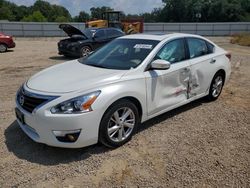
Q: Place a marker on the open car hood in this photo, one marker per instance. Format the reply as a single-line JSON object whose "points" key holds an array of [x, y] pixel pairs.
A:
{"points": [[71, 30]]}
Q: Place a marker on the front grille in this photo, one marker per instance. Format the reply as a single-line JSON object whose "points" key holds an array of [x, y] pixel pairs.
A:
{"points": [[29, 102]]}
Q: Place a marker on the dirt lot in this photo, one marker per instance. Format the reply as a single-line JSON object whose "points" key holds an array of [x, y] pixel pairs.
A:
{"points": [[199, 145]]}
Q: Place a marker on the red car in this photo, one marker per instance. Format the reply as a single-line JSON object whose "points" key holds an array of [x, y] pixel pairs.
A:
{"points": [[6, 42]]}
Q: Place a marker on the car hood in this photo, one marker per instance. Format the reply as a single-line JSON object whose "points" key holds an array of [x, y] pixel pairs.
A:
{"points": [[71, 30], [72, 76]]}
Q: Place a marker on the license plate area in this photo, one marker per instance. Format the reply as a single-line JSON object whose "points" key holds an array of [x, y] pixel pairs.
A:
{"points": [[19, 115]]}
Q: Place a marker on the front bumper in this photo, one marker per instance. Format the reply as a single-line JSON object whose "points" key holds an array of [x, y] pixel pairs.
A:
{"points": [[39, 126], [63, 49], [12, 45]]}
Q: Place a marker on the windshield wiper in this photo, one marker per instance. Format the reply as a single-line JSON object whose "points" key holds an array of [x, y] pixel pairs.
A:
{"points": [[100, 66]]}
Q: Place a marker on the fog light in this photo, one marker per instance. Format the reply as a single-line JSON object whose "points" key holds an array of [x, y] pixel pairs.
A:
{"points": [[67, 136]]}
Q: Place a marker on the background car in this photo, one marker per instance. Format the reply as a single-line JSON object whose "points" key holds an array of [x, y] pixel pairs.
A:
{"points": [[81, 43], [6, 42]]}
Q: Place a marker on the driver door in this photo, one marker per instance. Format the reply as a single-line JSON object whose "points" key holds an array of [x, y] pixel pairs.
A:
{"points": [[100, 38], [167, 88]]}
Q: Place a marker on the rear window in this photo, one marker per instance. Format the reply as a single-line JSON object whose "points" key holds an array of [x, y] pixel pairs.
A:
{"points": [[113, 33]]}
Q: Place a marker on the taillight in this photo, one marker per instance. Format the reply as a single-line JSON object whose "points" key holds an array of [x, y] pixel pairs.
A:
{"points": [[228, 55]]}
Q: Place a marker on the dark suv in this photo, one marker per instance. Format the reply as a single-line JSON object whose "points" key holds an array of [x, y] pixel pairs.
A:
{"points": [[81, 43]]}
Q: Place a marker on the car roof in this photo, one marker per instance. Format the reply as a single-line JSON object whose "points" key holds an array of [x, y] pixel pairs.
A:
{"points": [[103, 28], [158, 36]]}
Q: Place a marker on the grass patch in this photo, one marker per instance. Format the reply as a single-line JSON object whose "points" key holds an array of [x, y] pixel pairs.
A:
{"points": [[241, 39]]}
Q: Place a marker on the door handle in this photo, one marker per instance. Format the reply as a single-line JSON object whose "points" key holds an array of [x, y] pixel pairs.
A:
{"points": [[213, 61]]}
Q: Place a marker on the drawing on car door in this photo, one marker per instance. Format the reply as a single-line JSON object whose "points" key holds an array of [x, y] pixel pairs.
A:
{"points": [[166, 88]]}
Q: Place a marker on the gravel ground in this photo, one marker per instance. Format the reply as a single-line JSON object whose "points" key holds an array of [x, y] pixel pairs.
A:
{"points": [[198, 145]]}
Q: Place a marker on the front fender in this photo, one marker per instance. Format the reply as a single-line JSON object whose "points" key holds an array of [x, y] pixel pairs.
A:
{"points": [[113, 92]]}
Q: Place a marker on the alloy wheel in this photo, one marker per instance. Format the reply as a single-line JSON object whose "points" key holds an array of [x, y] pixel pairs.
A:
{"points": [[217, 86], [3, 48], [85, 51], [121, 124]]}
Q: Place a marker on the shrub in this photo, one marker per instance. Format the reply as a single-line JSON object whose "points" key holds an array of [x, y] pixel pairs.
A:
{"points": [[242, 39]]}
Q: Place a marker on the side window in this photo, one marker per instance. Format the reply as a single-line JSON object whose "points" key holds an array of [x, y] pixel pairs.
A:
{"points": [[197, 47], [173, 51], [100, 34]]}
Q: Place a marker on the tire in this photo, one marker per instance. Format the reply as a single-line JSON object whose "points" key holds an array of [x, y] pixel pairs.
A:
{"points": [[216, 86], [85, 50], [3, 48], [118, 124]]}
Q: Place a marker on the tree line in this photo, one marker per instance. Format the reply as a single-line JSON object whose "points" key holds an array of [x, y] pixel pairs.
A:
{"points": [[171, 11]]}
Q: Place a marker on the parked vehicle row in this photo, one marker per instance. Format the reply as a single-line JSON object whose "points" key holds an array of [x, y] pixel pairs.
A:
{"points": [[103, 97], [79, 44]]}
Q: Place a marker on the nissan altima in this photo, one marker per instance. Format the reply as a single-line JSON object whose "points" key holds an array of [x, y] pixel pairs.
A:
{"points": [[105, 96]]}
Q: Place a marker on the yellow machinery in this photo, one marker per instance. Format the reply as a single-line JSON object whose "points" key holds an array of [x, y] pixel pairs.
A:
{"points": [[97, 23], [113, 19]]}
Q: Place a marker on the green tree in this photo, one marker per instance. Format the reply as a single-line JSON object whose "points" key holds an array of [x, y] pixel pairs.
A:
{"points": [[175, 11], [204, 10], [82, 17], [96, 13], [44, 8], [61, 19], [51, 12], [59, 11], [20, 12], [6, 14], [6, 10], [36, 16]]}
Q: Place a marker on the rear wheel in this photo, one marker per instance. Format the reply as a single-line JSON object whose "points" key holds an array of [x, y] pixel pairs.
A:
{"points": [[216, 86], [3, 48], [118, 124], [85, 50]]}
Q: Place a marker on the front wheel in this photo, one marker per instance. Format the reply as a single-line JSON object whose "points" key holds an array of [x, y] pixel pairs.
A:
{"points": [[216, 86], [3, 48], [118, 124], [85, 50]]}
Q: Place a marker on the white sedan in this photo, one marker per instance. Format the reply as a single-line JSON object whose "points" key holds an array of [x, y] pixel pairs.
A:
{"points": [[105, 96]]}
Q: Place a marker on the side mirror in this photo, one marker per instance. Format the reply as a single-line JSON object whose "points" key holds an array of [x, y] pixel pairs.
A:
{"points": [[160, 64]]}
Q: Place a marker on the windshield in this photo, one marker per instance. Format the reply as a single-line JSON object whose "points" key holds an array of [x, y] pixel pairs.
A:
{"points": [[121, 54]]}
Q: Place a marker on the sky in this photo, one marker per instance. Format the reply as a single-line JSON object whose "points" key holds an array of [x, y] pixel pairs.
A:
{"points": [[127, 6]]}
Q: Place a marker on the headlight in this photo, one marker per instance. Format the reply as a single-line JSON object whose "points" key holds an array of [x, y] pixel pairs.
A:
{"points": [[79, 104]]}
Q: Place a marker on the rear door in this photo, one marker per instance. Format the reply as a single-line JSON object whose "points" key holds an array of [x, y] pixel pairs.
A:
{"points": [[203, 62], [167, 88]]}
